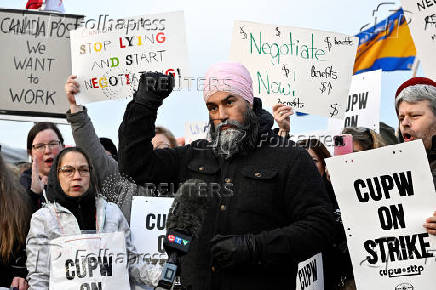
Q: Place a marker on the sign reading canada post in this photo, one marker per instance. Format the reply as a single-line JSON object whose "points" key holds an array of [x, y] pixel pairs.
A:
{"points": [[363, 104], [385, 196], [307, 69], [109, 63], [35, 63], [421, 17], [147, 224]]}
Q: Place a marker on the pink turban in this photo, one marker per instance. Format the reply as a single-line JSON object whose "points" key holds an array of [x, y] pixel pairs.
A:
{"points": [[229, 77]]}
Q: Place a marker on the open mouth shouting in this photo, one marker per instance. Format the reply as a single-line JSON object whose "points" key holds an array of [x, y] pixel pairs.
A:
{"points": [[408, 137]]}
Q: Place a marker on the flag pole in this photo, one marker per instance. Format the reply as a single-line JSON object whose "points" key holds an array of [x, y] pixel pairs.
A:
{"points": [[415, 67]]}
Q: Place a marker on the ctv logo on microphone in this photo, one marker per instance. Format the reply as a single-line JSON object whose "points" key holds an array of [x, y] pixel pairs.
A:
{"points": [[177, 240]]}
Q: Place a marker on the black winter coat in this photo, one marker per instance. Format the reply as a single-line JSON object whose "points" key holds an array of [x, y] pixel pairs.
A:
{"points": [[275, 193]]}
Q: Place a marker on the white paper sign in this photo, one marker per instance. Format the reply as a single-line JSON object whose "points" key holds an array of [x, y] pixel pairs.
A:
{"points": [[195, 131], [310, 274], [108, 64], [308, 69], [363, 105], [35, 63], [385, 196], [147, 224], [421, 17], [95, 261]]}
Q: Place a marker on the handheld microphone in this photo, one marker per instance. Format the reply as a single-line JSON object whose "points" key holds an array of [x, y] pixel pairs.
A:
{"points": [[184, 222]]}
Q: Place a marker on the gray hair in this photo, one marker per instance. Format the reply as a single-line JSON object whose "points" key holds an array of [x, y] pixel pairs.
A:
{"points": [[417, 93]]}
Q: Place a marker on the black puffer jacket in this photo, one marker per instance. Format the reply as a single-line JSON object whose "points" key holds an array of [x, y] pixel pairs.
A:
{"points": [[275, 193]]}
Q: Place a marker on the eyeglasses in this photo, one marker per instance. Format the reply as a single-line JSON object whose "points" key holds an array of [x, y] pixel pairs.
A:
{"points": [[70, 171], [41, 147]]}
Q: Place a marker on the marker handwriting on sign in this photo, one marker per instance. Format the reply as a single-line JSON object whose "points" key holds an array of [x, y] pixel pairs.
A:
{"points": [[242, 32], [335, 111], [277, 31], [326, 87], [291, 47]]}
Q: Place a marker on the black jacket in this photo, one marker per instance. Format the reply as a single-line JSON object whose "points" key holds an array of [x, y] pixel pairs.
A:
{"points": [[15, 267], [275, 192]]}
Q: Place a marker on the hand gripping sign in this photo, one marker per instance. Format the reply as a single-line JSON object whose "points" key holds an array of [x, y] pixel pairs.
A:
{"points": [[95, 261]]}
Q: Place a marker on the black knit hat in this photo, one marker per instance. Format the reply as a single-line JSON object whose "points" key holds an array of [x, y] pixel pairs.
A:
{"points": [[109, 146]]}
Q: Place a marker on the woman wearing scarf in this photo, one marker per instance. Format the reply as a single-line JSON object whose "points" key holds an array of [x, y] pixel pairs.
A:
{"points": [[74, 205]]}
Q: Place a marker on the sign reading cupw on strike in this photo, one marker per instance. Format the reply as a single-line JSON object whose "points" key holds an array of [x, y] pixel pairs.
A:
{"points": [[108, 64], [307, 69]]}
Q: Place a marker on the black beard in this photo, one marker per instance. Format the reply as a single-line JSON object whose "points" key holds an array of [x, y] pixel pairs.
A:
{"points": [[239, 138]]}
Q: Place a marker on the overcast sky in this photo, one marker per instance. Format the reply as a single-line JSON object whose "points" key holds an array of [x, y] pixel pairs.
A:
{"points": [[208, 31]]}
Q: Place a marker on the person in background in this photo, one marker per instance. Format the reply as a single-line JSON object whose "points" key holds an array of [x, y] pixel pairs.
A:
{"points": [[387, 134], [415, 104], [338, 270], [75, 205], [163, 139], [15, 214], [364, 138], [109, 147], [44, 142], [102, 151]]}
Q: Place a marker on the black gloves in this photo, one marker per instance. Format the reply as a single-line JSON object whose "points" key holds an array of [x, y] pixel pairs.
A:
{"points": [[153, 88], [232, 251]]}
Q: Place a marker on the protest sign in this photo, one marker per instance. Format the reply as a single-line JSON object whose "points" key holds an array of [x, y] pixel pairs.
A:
{"points": [[147, 223], [195, 131], [421, 18], [36, 62], [310, 274], [385, 196], [309, 70], [108, 63], [363, 105], [94, 261]]}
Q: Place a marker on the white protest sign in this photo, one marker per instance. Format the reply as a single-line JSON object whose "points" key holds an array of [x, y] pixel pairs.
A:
{"points": [[385, 196], [108, 64], [421, 17], [195, 131], [310, 274], [147, 224], [309, 70], [95, 261], [363, 108], [35, 63]]}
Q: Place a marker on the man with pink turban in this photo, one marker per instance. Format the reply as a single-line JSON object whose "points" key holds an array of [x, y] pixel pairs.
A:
{"points": [[267, 207]]}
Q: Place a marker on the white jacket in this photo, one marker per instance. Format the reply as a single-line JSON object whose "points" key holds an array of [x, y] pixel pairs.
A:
{"points": [[53, 221]]}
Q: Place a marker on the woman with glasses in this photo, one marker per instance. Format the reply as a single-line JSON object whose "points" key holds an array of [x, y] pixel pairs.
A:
{"points": [[44, 142], [15, 213], [74, 205]]}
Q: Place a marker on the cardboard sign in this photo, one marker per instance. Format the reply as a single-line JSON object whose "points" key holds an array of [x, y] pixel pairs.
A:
{"points": [[309, 70], [108, 64], [421, 18], [195, 131], [363, 105], [147, 224], [385, 196], [310, 274], [95, 261], [36, 62]]}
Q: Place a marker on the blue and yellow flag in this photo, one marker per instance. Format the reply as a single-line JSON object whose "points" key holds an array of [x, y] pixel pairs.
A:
{"points": [[387, 46]]}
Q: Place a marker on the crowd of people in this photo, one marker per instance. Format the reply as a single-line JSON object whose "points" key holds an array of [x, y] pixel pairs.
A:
{"points": [[282, 208]]}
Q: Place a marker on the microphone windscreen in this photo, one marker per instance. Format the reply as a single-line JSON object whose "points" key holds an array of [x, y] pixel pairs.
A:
{"points": [[189, 207]]}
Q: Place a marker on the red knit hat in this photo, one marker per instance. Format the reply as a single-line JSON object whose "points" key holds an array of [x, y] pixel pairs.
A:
{"points": [[415, 81]]}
